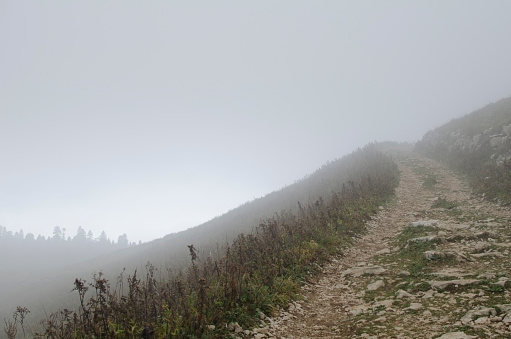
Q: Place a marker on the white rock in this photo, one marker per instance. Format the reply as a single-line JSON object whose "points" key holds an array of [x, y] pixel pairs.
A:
{"points": [[428, 294], [400, 294], [481, 247], [415, 307], [383, 251], [456, 335], [504, 307], [487, 275], [441, 285], [234, 327], [435, 255], [425, 223], [488, 254], [482, 321], [375, 285], [387, 303], [502, 282], [367, 270], [238, 329], [483, 312], [507, 319], [425, 239]]}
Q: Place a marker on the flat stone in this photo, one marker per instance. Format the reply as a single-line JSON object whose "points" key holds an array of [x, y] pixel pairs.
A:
{"points": [[507, 319], [367, 270], [456, 335], [487, 275], [437, 255], [375, 285], [415, 307], [442, 285], [425, 223], [383, 251], [482, 321], [480, 247], [428, 294], [400, 294], [504, 307], [387, 303], [488, 254], [429, 238], [358, 309], [503, 282], [483, 312]]}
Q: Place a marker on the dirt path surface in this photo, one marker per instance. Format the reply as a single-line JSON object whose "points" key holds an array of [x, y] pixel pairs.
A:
{"points": [[433, 264]]}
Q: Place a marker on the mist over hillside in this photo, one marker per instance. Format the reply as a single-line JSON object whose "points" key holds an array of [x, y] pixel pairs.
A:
{"points": [[195, 130], [477, 145], [53, 289]]}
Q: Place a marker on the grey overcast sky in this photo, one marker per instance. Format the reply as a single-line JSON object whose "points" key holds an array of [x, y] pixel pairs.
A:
{"points": [[149, 117]]}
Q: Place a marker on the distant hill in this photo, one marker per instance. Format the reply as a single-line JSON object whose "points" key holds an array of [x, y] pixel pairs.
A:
{"points": [[477, 145]]}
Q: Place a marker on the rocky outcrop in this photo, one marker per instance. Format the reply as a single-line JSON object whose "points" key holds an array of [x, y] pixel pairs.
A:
{"points": [[484, 134]]}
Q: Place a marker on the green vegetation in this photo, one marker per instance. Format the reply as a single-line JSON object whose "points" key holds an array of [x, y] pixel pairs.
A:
{"points": [[443, 203], [478, 146], [429, 181], [413, 252], [256, 272]]}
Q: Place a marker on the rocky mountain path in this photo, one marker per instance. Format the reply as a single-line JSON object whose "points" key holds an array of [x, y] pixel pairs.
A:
{"points": [[433, 264]]}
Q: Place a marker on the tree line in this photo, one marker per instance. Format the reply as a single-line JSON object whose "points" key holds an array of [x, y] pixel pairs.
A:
{"points": [[37, 253], [60, 235]]}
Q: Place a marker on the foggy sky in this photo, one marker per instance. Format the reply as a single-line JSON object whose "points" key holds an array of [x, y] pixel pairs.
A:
{"points": [[147, 118]]}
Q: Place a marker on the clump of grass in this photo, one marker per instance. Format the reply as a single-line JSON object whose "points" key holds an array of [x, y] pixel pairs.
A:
{"points": [[429, 181], [443, 203]]}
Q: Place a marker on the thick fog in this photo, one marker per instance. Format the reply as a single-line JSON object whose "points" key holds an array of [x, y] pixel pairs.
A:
{"points": [[150, 117]]}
